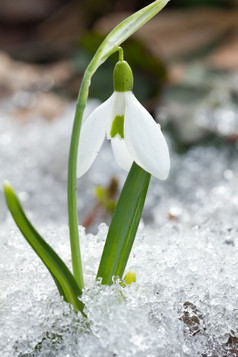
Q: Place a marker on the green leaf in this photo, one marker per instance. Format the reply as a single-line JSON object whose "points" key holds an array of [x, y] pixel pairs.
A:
{"points": [[124, 225], [63, 278]]}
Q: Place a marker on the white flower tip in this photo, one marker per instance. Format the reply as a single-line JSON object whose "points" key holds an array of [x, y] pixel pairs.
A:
{"points": [[121, 153], [165, 175], [163, 168], [80, 172]]}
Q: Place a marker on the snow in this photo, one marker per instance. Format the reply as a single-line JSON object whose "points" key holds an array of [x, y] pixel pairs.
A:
{"points": [[185, 300]]}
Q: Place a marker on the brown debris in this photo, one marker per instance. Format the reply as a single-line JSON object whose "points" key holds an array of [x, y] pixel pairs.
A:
{"points": [[29, 87], [59, 33], [34, 31], [25, 10], [232, 345], [226, 55], [16, 75], [192, 318]]}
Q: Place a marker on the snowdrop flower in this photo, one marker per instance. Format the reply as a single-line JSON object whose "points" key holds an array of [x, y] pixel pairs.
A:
{"points": [[134, 134]]}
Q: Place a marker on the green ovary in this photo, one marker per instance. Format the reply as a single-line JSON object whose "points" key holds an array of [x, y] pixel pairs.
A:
{"points": [[118, 126]]}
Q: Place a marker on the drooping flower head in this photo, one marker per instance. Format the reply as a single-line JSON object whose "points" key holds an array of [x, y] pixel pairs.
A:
{"points": [[134, 134]]}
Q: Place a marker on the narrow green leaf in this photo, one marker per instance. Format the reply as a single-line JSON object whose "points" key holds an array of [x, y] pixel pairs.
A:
{"points": [[124, 225], [63, 278]]}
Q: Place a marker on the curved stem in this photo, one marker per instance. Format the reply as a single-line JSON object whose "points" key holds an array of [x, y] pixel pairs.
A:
{"points": [[72, 169], [72, 181]]}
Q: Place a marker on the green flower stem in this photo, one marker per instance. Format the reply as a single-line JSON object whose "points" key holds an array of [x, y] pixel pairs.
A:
{"points": [[72, 183], [121, 54], [118, 35]]}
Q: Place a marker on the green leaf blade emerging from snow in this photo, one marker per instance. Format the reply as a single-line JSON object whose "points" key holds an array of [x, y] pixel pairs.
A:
{"points": [[63, 278]]}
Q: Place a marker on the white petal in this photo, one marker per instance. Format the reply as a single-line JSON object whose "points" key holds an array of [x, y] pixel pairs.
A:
{"points": [[92, 135], [121, 153], [144, 139]]}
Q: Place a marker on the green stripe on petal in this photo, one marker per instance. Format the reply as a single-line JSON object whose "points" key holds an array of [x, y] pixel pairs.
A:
{"points": [[118, 126]]}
